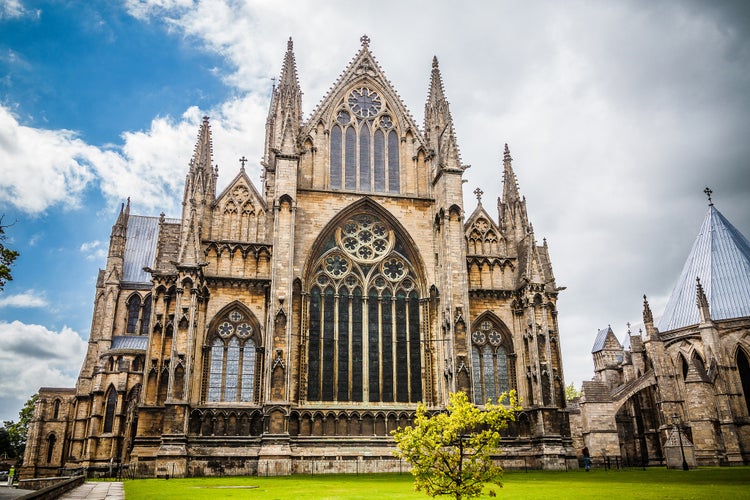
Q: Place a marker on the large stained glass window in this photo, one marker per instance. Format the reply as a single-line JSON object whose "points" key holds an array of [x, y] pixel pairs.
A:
{"points": [[364, 145], [364, 318], [231, 357], [491, 370]]}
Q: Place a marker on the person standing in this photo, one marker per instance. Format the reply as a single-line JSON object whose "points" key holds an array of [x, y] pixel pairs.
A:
{"points": [[586, 458], [11, 473]]}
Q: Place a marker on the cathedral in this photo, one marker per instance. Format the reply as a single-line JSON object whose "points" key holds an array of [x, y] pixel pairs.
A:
{"points": [[290, 326], [685, 381]]}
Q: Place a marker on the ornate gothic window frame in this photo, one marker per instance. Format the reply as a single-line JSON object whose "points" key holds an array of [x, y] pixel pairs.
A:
{"points": [[364, 143], [493, 358], [233, 357], [365, 275]]}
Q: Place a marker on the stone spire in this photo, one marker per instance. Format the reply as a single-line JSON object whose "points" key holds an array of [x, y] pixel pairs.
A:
{"points": [[119, 232], [511, 207], [200, 192], [438, 124], [510, 183], [285, 113], [200, 183], [648, 317]]}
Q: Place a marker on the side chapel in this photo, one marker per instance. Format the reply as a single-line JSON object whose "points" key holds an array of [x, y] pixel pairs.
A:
{"points": [[295, 325]]}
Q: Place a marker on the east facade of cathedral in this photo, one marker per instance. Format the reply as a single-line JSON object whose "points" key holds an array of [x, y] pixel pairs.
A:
{"points": [[278, 329], [678, 393]]}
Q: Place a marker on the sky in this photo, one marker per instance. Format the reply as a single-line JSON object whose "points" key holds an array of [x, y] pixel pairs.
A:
{"points": [[617, 115]]}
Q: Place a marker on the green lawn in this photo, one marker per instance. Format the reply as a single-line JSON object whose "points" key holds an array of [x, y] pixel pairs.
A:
{"points": [[713, 483]]}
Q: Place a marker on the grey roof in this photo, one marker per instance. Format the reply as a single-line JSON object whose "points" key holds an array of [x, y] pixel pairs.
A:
{"points": [[140, 248], [130, 342], [601, 339], [721, 259]]}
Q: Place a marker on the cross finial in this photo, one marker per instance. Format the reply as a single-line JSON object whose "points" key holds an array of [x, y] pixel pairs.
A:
{"points": [[243, 160], [478, 192], [628, 323], [365, 40], [708, 192]]}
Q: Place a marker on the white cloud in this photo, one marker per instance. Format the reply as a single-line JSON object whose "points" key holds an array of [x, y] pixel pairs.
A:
{"points": [[94, 250], [29, 298], [28, 155], [11, 9], [33, 356]]}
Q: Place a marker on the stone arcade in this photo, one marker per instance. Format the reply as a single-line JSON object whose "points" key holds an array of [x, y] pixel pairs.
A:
{"points": [[292, 326]]}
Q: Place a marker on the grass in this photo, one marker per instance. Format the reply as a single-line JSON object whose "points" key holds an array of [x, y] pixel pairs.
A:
{"points": [[710, 482]]}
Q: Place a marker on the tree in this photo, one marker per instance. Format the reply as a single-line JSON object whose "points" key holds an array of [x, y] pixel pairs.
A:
{"points": [[7, 256], [451, 452], [571, 392], [17, 431]]}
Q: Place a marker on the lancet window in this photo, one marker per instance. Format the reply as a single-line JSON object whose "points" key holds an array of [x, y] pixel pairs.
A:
{"points": [[109, 412], [492, 370], [232, 360], [364, 318], [364, 145], [139, 314]]}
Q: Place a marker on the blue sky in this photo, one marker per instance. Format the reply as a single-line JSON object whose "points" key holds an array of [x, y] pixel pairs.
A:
{"points": [[617, 114]]}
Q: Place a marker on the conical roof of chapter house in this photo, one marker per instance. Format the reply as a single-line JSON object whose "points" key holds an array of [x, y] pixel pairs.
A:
{"points": [[720, 257]]}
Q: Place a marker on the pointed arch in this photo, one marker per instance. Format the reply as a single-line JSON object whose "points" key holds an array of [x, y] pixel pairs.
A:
{"points": [[493, 358], [109, 410], [365, 280], [231, 359], [743, 367], [51, 440], [134, 311]]}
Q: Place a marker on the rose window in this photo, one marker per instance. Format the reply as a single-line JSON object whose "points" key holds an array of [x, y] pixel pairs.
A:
{"points": [[364, 102], [479, 337], [226, 329], [336, 266], [365, 238], [393, 269], [495, 338], [244, 330]]}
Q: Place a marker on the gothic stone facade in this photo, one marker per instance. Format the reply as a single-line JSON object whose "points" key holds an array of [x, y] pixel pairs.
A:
{"points": [[689, 369], [267, 329]]}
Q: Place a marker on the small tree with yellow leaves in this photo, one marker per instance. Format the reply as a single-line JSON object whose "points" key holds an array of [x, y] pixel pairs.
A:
{"points": [[451, 452]]}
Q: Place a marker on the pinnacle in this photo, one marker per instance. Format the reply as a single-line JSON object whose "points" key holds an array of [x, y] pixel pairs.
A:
{"points": [[510, 183]]}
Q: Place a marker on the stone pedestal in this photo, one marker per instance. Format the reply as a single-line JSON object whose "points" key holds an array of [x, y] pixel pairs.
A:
{"points": [[275, 456]]}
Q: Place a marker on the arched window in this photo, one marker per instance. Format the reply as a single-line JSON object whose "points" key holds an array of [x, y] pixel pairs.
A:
{"points": [[232, 360], [743, 366], [362, 159], [134, 310], [109, 412], [56, 411], [492, 371], [146, 315], [51, 440], [364, 318]]}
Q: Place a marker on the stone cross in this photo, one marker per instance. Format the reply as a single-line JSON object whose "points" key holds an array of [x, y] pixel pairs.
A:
{"points": [[365, 40], [478, 192], [243, 160]]}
